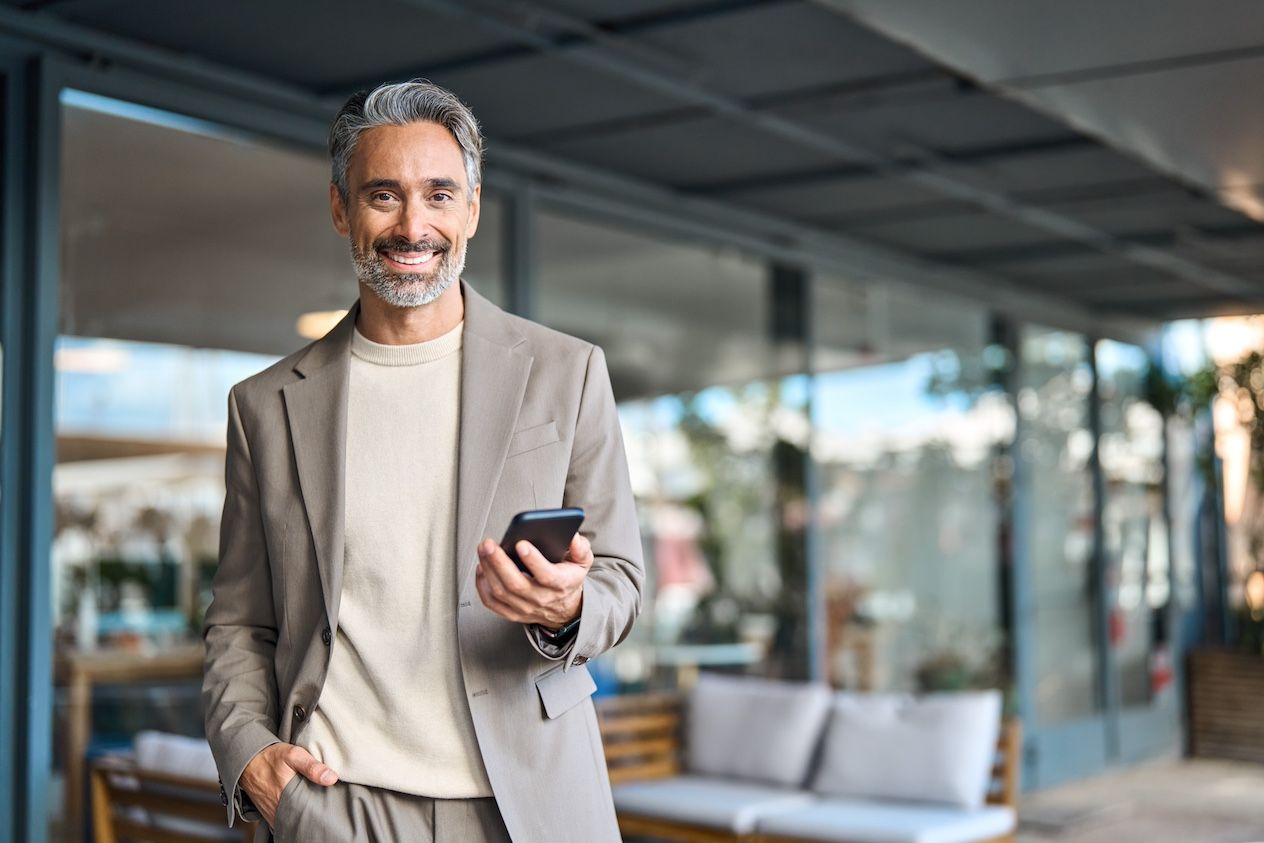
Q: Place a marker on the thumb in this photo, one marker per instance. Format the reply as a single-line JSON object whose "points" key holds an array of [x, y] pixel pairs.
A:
{"points": [[580, 551], [303, 763]]}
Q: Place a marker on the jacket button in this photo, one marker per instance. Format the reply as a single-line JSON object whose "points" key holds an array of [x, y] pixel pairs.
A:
{"points": [[327, 636], [299, 713]]}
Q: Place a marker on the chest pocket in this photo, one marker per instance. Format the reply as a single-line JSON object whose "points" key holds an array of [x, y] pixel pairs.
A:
{"points": [[530, 438]]}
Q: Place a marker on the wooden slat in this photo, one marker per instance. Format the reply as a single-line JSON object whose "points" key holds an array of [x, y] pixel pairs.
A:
{"points": [[640, 772], [632, 826], [131, 830], [664, 722], [631, 749], [168, 804]]}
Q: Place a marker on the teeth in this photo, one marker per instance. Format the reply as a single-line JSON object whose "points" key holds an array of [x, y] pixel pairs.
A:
{"points": [[410, 260]]}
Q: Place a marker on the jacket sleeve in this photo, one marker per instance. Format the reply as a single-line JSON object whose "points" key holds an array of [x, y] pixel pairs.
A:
{"points": [[239, 692], [598, 481]]}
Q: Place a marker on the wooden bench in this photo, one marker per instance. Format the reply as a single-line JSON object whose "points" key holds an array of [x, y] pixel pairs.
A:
{"points": [[643, 740], [119, 787]]}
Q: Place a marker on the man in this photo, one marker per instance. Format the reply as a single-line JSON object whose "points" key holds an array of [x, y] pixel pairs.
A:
{"points": [[374, 670]]}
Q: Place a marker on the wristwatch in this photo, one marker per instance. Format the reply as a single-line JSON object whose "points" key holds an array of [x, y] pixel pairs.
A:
{"points": [[562, 635]]}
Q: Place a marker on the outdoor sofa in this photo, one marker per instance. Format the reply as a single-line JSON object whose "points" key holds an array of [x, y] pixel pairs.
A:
{"points": [[763, 761]]}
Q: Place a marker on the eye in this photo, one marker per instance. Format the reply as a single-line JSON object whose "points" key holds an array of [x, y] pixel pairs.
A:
{"points": [[381, 196], [441, 197]]}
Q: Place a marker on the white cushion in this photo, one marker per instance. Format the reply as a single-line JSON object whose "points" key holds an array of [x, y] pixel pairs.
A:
{"points": [[714, 803], [174, 754], [938, 748], [754, 729], [857, 821]]}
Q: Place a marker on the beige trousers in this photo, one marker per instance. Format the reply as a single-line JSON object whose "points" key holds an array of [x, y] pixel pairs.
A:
{"points": [[355, 813]]}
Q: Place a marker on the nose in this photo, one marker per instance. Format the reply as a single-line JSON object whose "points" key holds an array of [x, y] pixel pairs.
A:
{"points": [[414, 223]]}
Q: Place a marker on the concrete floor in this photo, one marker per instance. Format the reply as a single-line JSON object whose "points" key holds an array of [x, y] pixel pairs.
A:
{"points": [[1176, 801]]}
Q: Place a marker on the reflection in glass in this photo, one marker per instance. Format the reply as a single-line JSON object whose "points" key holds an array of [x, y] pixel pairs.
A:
{"points": [[713, 434], [1055, 388], [1138, 564], [907, 421]]}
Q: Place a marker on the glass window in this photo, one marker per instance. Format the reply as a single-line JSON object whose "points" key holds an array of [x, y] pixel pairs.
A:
{"points": [[711, 426], [1055, 389], [1138, 564], [907, 422]]}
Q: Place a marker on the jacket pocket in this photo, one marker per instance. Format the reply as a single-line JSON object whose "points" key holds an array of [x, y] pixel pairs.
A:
{"points": [[530, 438], [561, 690]]}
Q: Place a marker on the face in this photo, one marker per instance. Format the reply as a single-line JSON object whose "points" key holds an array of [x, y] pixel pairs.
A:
{"points": [[409, 212]]}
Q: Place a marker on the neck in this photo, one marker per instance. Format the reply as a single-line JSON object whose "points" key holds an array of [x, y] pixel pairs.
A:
{"points": [[390, 325]]}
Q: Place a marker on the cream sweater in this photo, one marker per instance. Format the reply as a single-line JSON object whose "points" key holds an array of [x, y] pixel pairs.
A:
{"points": [[393, 712]]}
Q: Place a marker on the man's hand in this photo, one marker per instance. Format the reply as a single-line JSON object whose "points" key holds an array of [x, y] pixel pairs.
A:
{"points": [[270, 771], [552, 596]]}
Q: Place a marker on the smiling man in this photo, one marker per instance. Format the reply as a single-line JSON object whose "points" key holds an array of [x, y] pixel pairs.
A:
{"points": [[376, 666]]}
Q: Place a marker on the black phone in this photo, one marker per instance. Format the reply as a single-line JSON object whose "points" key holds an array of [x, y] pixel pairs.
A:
{"points": [[549, 530]]}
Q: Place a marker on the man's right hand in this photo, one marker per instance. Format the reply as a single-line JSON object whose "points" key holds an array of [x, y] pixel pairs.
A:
{"points": [[270, 771]]}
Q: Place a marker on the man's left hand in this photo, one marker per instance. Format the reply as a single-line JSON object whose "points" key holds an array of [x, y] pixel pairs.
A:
{"points": [[552, 596]]}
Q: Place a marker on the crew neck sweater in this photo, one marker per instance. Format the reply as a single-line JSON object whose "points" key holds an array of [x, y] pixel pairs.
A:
{"points": [[393, 712]]}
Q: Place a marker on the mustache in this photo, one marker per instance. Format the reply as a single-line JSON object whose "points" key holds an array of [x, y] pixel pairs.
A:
{"points": [[398, 244]]}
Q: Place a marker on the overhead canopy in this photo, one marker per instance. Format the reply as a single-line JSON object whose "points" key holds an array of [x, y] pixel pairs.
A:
{"points": [[786, 110]]}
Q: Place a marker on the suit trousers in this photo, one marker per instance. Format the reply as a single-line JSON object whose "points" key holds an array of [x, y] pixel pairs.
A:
{"points": [[356, 813]]}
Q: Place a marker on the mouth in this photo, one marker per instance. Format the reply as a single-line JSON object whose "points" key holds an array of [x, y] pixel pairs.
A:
{"points": [[408, 261]]}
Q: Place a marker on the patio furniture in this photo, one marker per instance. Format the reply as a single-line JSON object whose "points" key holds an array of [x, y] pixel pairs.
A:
{"points": [[165, 791], [759, 761]]}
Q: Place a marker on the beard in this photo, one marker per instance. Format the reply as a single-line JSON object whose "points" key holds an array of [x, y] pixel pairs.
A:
{"points": [[409, 289]]}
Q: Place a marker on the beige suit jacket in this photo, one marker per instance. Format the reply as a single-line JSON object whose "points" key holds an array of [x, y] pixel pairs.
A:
{"points": [[538, 429]]}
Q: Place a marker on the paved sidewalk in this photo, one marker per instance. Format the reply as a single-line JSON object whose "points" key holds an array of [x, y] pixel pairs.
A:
{"points": [[1177, 801]]}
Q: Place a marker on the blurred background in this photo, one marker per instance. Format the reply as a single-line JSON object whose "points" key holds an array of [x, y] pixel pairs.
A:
{"points": [[930, 326]]}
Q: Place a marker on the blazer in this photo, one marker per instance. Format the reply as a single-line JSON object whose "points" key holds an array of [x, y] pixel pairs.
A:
{"points": [[538, 429]]}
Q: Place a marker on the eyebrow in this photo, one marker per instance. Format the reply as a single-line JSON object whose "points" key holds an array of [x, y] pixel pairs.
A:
{"points": [[437, 183]]}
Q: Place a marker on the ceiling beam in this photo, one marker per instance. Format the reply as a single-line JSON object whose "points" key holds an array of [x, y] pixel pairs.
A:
{"points": [[536, 25]]}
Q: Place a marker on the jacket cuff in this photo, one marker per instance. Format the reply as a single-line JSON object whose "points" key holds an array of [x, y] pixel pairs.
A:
{"points": [[248, 743], [546, 648]]}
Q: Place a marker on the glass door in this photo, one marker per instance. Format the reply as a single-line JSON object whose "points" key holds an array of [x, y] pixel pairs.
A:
{"points": [[1136, 559], [1064, 690]]}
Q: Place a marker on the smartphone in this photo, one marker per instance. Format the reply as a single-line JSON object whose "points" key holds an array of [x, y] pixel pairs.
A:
{"points": [[549, 530]]}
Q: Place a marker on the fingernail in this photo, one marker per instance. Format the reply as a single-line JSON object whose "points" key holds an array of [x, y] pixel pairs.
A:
{"points": [[328, 777], [523, 548]]}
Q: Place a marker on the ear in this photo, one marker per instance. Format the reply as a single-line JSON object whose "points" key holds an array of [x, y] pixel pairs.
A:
{"points": [[338, 211], [476, 205]]}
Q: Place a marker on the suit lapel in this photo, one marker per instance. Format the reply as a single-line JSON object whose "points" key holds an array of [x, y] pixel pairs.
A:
{"points": [[494, 371], [316, 410]]}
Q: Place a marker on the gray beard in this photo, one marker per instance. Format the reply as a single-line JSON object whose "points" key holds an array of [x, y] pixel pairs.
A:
{"points": [[411, 289]]}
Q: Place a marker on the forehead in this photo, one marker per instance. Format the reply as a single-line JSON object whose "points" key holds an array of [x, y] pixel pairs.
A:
{"points": [[414, 152]]}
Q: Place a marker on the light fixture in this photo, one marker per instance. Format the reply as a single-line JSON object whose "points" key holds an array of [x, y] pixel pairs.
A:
{"points": [[317, 323]]}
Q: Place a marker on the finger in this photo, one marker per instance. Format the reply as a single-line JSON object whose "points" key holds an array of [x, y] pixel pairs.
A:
{"points": [[502, 571], [496, 605], [303, 762], [542, 570], [580, 551], [514, 593]]}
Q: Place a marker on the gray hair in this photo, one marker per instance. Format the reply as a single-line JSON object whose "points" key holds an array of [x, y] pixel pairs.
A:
{"points": [[401, 104]]}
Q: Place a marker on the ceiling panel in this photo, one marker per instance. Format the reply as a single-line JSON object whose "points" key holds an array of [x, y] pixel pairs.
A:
{"points": [[806, 45], [1003, 40], [535, 93], [322, 44], [705, 149]]}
